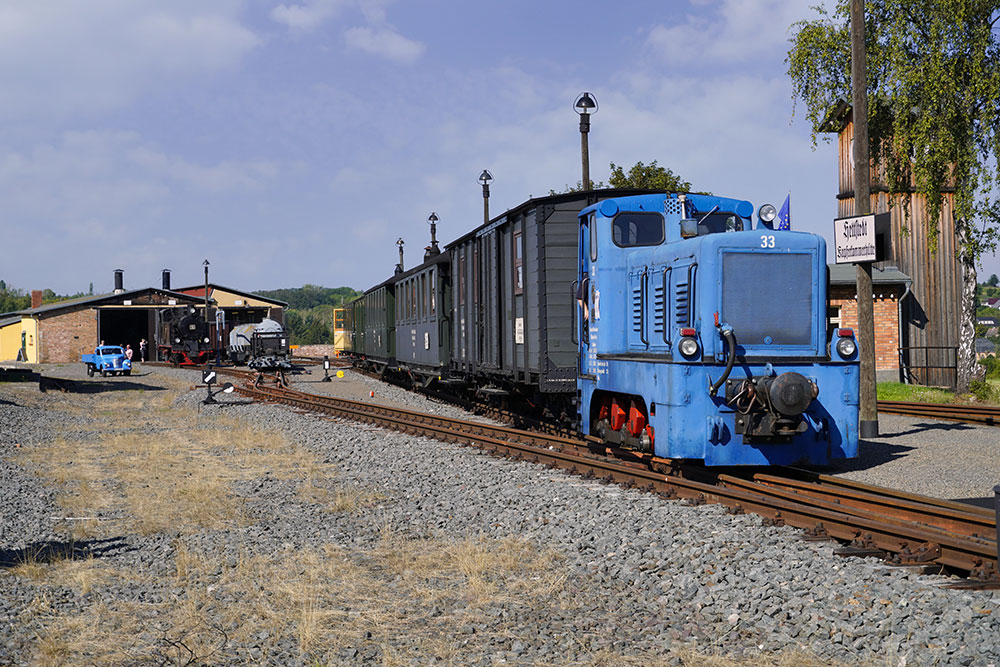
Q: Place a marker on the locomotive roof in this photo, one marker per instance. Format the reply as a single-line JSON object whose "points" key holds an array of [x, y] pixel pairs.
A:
{"points": [[588, 196]]}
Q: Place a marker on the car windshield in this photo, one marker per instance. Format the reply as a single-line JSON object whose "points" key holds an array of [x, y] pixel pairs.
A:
{"points": [[110, 350]]}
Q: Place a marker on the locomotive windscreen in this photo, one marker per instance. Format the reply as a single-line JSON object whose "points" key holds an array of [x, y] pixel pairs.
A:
{"points": [[776, 304]]}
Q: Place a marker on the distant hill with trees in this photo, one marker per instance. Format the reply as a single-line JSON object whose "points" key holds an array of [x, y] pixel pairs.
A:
{"points": [[309, 316]]}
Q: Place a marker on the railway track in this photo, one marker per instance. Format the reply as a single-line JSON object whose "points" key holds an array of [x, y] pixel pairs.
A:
{"points": [[977, 414], [905, 529]]}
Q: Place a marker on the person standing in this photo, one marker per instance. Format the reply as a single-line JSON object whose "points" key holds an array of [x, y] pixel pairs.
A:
{"points": [[142, 350], [128, 352]]}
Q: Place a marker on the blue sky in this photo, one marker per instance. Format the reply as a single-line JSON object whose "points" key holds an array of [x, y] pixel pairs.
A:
{"points": [[294, 141]]}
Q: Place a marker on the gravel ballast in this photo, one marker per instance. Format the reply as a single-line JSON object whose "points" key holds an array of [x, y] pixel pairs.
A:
{"points": [[644, 576]]}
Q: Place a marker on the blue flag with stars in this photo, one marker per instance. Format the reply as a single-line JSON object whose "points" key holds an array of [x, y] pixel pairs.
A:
{"points": [[785, 214]]}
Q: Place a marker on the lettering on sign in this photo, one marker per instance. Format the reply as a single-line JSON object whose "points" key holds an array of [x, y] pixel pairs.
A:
{"points": [[519, 331], [855, 239]]}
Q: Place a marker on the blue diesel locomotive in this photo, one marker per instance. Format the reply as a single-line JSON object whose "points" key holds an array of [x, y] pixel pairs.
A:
{"points": [[703, 338]]}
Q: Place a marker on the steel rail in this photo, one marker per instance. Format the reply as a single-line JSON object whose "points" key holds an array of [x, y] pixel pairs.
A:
{"points": [[977, 414], [870, 525]]}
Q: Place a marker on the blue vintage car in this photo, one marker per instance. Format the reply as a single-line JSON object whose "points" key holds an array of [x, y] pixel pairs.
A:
{"points": [[107, 360]]}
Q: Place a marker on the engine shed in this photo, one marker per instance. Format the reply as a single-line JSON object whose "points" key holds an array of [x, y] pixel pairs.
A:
{"points": [[61, 332]]}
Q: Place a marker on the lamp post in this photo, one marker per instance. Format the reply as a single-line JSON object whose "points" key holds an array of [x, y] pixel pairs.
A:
{"points": [[399, 267], [585, 105], [486, 178], [205, 264], [432, 249]]}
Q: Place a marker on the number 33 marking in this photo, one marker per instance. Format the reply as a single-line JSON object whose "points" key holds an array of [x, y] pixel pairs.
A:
{"points": [[767, 241]]}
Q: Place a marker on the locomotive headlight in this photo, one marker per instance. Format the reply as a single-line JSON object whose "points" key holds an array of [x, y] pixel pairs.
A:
{"points": [[767, 213], [846, 347], [688, 346], [177, 340], [205, 339]]}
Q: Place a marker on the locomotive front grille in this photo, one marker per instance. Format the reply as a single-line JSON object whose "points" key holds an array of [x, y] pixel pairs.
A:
{"points": [[772, 308]]}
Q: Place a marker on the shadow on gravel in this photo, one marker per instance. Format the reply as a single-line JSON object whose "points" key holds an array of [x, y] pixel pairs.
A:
{"points": [[230, 403], [871, 454], [51, 552], [93, 386], [928, 427]]}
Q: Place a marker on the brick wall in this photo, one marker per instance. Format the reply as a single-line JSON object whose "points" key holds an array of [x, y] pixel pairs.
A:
{"points": [[886, 307], [64, 337]]}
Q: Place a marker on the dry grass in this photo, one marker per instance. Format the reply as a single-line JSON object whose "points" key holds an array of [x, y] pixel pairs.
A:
{"points": [[322, 598], [407, 598]]}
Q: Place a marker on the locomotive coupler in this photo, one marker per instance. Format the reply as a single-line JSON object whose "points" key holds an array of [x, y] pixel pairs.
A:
{"points": [[771, 407]]}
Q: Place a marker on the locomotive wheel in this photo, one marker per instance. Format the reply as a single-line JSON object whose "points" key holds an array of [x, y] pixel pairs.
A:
{"points": [[90, 371]]}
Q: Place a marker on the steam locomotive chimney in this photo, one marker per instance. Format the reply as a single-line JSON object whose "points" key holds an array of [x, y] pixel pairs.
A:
{"points": [[166, 279], [399, 267], [119, 281]]}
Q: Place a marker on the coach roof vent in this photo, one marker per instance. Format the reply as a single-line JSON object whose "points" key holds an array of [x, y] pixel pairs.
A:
{"points": [[119, 281], [165, 279]]}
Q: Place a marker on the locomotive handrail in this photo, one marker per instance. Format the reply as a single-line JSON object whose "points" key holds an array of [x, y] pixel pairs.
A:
{"points": [[573, 309], [643, 289]]}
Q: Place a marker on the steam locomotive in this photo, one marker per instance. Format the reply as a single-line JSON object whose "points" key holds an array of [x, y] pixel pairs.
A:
{"points": [[185, 335]]}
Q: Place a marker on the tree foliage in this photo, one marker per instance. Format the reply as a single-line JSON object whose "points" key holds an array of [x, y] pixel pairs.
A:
{"points": [[310, 296], [643, 176], [309, 318], [933, 71], [650, 177], [12, 299], [934, 98]]}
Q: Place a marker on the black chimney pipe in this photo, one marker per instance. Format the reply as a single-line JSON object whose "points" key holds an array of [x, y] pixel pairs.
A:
{"points": [[119, 281], [166, 279]]}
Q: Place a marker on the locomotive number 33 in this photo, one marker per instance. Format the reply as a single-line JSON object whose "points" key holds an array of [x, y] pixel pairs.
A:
{"points": [[767, 241]]}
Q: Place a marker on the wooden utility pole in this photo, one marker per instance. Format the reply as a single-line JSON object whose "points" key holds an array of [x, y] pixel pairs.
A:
{"points": [[862, 206]]}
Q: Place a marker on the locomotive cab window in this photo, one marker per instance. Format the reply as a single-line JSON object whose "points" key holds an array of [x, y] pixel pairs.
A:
{"points": [[716, 223], [637, 229]]}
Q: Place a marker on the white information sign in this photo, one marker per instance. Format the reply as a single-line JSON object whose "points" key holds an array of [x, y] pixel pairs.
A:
{"points": [[854, 239]]}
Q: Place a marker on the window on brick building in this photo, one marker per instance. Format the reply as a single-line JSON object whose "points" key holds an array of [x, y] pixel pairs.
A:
{"points": [[833, 320]]}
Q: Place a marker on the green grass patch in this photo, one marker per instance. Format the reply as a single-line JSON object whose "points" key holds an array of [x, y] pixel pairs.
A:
{"points": [[897, 391]]}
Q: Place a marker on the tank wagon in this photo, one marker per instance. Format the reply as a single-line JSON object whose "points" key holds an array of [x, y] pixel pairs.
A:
{"points": [[662, 323], [264, 339]]}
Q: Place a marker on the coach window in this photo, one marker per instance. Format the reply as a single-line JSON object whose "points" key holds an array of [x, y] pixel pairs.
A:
{"points": [[518, 265], [637, 229], [424, 301], [433, 291]]}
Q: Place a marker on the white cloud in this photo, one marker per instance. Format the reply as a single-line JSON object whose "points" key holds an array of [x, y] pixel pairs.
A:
{"points": [[309, 15], [384, 42], [64, 57], [737, 32], [96, 182]]}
